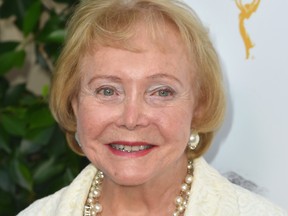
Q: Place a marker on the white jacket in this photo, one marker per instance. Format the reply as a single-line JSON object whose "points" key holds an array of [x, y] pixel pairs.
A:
{"points": [[211, 195]]}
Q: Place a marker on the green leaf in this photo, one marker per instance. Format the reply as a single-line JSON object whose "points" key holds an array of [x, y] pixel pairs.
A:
{"points": [[30, 100], [56, 36], [7, 204], [40, 118], [10, 60], [14, 94], [10, 7], [5, 183], [47, 170], [45, 91], [53, 50], [4, 85], [55, 23], [15, 8], [36, 139], [59, 145], [31, 17], [13, 124], [22, 174], [4, 141], [7, 46]]}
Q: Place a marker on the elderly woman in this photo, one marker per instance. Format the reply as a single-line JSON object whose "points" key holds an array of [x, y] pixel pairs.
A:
{"points": [[138, 91]]}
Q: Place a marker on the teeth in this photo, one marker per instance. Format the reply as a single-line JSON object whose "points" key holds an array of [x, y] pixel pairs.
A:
{"points": [[135, 148], [130, 148]]}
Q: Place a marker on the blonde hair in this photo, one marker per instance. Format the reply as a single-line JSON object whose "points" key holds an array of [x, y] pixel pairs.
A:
{"points": [[110, 23]]}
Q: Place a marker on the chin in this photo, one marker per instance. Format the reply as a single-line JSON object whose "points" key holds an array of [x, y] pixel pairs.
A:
{"points": [[131, 179]]}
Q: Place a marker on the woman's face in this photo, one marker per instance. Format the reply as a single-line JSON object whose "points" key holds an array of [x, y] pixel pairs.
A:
{"points": [[135, 109]]}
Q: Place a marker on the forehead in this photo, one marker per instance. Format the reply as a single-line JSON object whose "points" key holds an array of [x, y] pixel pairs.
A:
{"points": [[162, 34], [166, 45], [165, 40]]}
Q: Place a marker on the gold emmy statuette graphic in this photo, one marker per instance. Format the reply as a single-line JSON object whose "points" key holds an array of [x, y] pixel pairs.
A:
{"points": [[246, 11]]}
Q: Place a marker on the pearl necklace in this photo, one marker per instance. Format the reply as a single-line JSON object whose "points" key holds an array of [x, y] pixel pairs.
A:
{"points": [[94, 208]]}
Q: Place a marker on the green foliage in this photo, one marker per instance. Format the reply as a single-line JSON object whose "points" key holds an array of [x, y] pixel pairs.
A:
{"points": [[11, 59], [34, 158]]}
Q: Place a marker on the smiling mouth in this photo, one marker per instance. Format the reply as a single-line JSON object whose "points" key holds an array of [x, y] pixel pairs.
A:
{"points": [[129, 148]]}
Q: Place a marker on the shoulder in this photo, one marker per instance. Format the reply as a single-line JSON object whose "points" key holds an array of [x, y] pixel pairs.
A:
{"points": [[67, 201], [213, 194], [44, 206]]}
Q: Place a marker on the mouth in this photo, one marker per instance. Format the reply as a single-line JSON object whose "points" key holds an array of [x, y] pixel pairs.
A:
{"points": [[130, 148]]}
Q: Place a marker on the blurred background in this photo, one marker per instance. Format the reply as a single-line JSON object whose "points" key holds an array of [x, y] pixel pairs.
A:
{"points": [[34, 158], [250, 149], [253, 140]]}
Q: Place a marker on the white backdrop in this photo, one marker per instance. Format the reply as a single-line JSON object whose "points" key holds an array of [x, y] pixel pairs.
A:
{"points": [[253, 141]]}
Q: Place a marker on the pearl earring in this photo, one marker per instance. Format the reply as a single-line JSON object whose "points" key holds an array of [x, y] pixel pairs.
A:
{"points": [[193, 141], [77, 139]]}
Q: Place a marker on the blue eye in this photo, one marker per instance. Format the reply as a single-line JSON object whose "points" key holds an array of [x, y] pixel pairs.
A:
{"points": [[106, 91], [165, 92], [109, 94]]}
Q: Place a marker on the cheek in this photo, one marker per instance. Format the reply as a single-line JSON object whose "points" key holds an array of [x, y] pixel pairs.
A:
{"points": [[90, 121], [175, 123]]}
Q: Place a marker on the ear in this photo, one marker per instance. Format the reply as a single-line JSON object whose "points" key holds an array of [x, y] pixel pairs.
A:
{"points": [[197, 116], [75, 105]]}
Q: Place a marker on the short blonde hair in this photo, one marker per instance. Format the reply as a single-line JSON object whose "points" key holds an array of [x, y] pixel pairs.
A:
{"points": [[110, 23]]}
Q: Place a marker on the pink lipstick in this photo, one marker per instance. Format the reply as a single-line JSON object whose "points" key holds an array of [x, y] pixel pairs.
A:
{"points": [[130, 149]]}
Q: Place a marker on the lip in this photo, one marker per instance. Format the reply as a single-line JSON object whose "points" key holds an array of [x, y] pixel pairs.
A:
{"points": [[130, 154]]}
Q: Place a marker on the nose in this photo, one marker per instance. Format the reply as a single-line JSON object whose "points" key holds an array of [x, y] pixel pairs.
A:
{"points": [[134, 114]]}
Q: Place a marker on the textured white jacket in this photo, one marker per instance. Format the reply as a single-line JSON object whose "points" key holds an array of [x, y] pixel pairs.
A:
{"points": [[211, 195]]}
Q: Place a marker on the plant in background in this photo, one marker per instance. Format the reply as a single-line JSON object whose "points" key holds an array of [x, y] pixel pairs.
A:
{"points": [[34, 158]]}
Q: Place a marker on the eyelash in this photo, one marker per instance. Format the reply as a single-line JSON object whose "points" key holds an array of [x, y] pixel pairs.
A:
{"points": [[170, 92], [109, 93], [101, 91]]}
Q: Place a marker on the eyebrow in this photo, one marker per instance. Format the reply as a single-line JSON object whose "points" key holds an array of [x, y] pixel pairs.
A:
{"points": [[107, 77], [166, 76], [118, 79]]}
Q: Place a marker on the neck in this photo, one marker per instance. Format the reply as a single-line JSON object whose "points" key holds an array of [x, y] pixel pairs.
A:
{"points": [[155, 197]]}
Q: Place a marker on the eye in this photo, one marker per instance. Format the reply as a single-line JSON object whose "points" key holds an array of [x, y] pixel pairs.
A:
{"points": [[161, 95], [105, 91], [165, 92], [109, 93]]}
